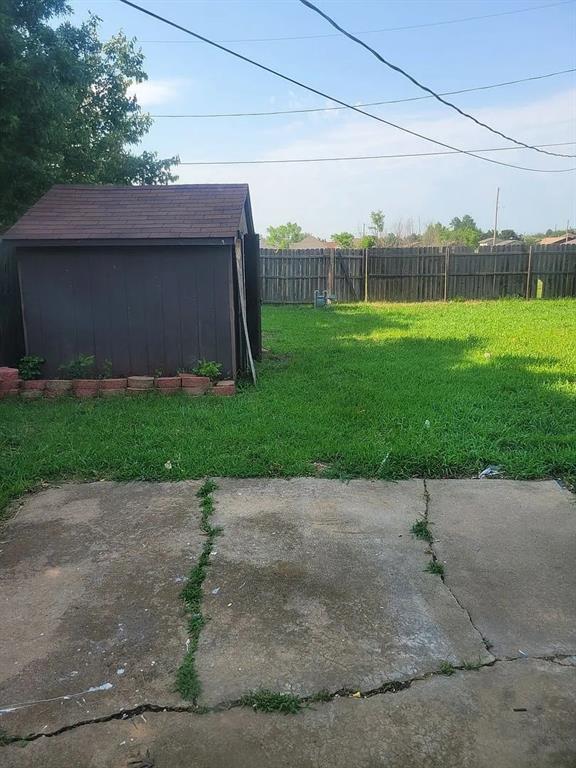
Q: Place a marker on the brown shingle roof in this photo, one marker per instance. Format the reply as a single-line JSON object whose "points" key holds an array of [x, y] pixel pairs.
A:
{"points": [[79, 212]]}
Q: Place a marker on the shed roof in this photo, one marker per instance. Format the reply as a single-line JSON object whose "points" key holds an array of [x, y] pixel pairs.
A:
{"points": [[97, 212]]}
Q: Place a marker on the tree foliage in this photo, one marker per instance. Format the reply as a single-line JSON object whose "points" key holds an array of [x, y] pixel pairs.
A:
{"points": [[344, 239], [368, 241], [377, 226], [65, 112], [285, 235]]}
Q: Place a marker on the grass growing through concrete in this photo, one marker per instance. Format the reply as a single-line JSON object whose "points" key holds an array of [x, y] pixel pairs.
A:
{"points": [[271, 701], [447, 668], [187, 681], [421, 530], [434, 566], [388, 391]]}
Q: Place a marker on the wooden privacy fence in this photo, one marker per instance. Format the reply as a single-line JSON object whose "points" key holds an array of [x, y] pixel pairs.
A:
{"points": [[417, 274]]}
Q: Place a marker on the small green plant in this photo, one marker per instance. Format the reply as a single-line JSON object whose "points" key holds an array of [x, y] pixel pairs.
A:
{"points": [[421, 530], [271, 701], [106, 372], [30, 367], [187, 680], [157, 373], [82, 367], [435, 567], [446, 668], [208, 368]]}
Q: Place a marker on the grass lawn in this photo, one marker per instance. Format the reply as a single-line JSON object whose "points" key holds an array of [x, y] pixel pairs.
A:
{"points": [[386, 391]]}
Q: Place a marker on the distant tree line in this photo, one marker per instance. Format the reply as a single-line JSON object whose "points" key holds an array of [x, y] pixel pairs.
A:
{"points": [[460, 231]]}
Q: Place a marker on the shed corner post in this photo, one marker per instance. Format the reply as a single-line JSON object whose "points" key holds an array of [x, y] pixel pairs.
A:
{"points": [[242, 291]]}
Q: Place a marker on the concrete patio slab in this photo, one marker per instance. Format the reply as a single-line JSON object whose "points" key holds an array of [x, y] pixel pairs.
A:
{"points": [[515, 714], [91, 620], [318, 584], [509, 552]]}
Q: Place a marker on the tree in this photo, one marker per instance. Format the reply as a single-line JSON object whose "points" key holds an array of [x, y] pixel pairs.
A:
{"points": [[435, 234], [377, 218], [466, 222], [285, 235], [508, 234], [65, 112], [344, 239], [367, 241], [465, 231]]}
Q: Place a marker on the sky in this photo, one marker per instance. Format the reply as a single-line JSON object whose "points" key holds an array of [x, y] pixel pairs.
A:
{"points": [[189, 77]]}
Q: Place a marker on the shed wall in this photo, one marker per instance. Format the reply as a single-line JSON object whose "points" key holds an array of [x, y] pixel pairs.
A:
{"points": [[144, 308]]}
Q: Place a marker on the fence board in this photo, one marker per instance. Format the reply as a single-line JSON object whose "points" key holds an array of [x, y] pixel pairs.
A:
{"points": [[418, 274]]}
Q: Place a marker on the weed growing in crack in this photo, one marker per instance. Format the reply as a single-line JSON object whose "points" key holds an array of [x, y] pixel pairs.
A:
{"points": [[421, 530], [6, 739], [446, 668], [271, 701], [187, 681], [434, 566]]}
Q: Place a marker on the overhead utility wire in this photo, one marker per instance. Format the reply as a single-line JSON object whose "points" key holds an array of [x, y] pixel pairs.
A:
{"points": [[376, 31], [362, 157], [371, 103], [332, 98], [423, 87]]}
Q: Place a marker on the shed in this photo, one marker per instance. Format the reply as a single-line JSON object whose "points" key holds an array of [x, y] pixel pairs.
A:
{"points": [[150, 278]]}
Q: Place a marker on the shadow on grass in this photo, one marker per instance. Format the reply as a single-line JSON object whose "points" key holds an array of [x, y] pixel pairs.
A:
{"points": [[361, 391]]}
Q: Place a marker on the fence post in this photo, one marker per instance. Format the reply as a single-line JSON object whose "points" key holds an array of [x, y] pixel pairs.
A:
{"points": [[446, 264], [366, 275], [529, 273], [331, 271]]}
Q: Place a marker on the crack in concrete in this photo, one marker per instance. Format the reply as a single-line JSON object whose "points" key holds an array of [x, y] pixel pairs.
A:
{"points": [[388, 687], [485, 641]]}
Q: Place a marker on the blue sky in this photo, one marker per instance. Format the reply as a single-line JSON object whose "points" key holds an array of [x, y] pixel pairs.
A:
{"points": [[190, 77]]}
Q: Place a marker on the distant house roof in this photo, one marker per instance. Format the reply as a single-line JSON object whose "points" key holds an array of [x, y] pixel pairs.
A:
{"points": [[558, 240], [488, 242], [82, 212], [311, 242]]}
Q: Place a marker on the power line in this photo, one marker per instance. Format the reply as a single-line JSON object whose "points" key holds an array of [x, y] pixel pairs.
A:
{"points": [[364, 157], [420, 85], [373, 103], [375, 31], [333, 98]]}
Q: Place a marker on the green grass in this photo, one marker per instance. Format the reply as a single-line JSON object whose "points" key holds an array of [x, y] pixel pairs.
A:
{"points": [[187, 680], [435, 567], [421, 530], [446, 668], [387, 391], [271, 701]]}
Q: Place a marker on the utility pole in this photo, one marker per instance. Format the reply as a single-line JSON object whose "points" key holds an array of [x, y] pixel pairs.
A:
{"points": [[567, 228], [496, 216]]}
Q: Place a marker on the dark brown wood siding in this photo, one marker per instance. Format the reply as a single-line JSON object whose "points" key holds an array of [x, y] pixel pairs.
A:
{"points": [[11, 331], [144, 308]]}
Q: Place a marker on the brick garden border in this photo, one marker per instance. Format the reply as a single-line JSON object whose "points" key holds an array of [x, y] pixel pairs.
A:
{"points": [[194, 386]]}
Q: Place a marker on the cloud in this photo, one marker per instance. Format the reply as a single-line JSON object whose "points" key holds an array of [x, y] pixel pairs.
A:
{"points": [[151, 93], [329, 197]]}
